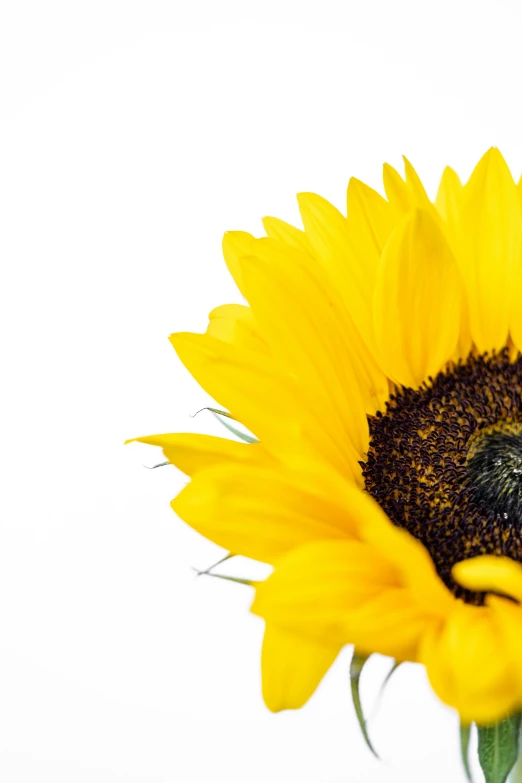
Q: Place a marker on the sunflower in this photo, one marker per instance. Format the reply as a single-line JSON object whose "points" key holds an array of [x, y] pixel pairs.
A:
{"points": [[377, 365]]}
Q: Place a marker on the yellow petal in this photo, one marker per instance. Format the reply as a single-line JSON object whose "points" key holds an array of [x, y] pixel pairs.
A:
{"points": [[303, 320], [292, 667], [448, 201], [405, 195], [313, 588], [469, 665], [353, 275], [262, 395], [491, 574], [417, 189], [235, 323], [509, 617], [263, 513], [347, 592], [278, 229], [245, 383], [417, 300], [297, 318], [464, 343], [412, 560], [392, 623], [490, 237], [399, 195], [191, 452], [325, 227], [515, 320], [519, 191], [370, 223], [235, 245]]}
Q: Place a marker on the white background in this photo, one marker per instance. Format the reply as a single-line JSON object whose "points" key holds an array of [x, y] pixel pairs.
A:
{"points": [[132, 135]]}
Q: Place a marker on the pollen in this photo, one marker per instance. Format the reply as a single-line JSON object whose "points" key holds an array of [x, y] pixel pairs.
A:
{"points": [[445, 462]]}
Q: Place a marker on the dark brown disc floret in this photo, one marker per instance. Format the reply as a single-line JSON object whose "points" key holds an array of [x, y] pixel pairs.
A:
{"points": [[445, 462]]}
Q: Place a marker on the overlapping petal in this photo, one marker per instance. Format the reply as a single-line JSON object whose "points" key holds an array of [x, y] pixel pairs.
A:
{"points": [[304, 329], [370, 221], [448, 203], [278, 229], [235, 324], [416, 301], [315, 587], [400, 197], [350, 592], [192, 452], [490, 241], [508, 615], [262, 394], [264, 511], [236, 244], [336, 243], [470, 666]]}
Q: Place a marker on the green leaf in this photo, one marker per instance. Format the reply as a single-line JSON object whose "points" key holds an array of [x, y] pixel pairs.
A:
{"points": [[356, 668], [465, 733], [498, 748]]}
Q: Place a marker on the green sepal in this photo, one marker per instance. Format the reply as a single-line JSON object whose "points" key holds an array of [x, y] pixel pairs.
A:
{"points": [[207, 571], [498, 748], [356, 667], [388, 677], [219, 412], [385, 682], [242, 435], [237, 579], [465, 734]]}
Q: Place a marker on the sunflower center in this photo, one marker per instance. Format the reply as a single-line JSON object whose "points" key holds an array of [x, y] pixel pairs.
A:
{"points": [[445, 462]]}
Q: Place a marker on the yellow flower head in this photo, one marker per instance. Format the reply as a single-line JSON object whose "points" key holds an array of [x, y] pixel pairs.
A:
{"points": [[377, 364]]}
